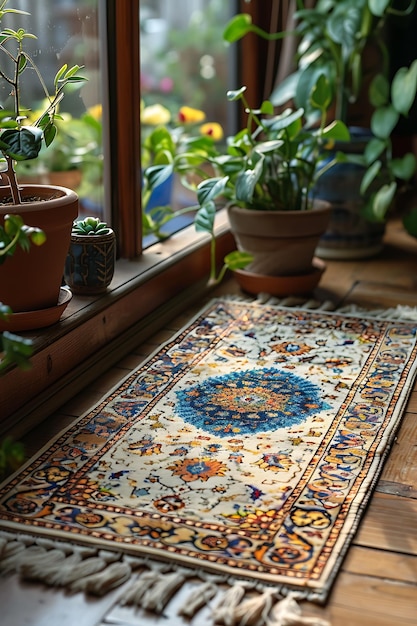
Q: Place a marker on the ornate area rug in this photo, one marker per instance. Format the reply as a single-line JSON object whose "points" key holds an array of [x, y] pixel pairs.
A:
{"points": [[245, 449]]}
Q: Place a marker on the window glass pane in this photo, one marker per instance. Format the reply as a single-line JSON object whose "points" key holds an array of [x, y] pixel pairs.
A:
{"points": [[68, 31], [184, 61]]}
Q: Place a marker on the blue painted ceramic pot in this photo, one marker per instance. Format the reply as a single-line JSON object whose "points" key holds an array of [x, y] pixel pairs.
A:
{"points": [[348, 235], [89, 266]]}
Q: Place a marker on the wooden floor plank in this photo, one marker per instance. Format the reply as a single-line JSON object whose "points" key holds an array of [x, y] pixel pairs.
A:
{"points": [[390, 523], [375, 598], [401, 464], [381, 564]]}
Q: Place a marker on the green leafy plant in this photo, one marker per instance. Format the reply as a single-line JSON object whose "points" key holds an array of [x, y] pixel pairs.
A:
{"points": [[275, 161], [386, 173], [333, 39], [90, 226], [271, 164], [19, 142]]}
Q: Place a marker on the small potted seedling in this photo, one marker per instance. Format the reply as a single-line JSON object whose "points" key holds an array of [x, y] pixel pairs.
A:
{"points": [[89, 266]]}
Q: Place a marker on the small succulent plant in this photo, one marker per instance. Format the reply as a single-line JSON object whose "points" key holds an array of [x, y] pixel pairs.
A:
{"points": [[90, 226]]}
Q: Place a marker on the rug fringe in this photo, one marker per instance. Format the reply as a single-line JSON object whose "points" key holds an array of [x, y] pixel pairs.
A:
{"points": [[287, 612], [233, 609], [96, 572], [154, 589], [262, 609], [198, 599], [401, 312]]}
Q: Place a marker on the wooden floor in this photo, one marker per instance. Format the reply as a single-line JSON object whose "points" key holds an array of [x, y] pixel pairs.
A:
{"points": [[377, 585]]}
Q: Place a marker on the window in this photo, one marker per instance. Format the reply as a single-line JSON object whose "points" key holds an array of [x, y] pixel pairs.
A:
{"points": [[72, 34], [184, 61], [103, 35]]}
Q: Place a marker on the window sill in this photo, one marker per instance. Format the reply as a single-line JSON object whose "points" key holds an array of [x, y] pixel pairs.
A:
{"points": [[96, 332]]}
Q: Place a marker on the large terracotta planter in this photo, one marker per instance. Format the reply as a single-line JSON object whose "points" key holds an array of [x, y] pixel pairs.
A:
{"points": [[283, 243], [32, 280], [89, 266]]}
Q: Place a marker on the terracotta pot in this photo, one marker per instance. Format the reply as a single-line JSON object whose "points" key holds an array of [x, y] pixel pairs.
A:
{"points": [[89, 267], [32, 281], [283, 243]]}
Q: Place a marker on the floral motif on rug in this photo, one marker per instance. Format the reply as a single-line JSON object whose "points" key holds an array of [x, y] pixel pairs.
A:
{"points": [[247, 445]]}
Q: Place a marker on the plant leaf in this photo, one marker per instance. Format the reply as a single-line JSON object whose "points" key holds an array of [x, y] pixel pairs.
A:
{"points": [[381, 202], [373, 150], [379, 91], [204, 219], [235, 94], [403, 88], [238, 27], [337, 130], [321, 95], [247, 180], [378, 7], [210, 189], [237, 260], [22, 144], [158, 174], [383, 121], [369, 176], [404, 167]]}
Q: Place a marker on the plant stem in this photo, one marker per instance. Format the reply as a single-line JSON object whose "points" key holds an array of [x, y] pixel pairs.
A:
{"points": [[11, 175]]}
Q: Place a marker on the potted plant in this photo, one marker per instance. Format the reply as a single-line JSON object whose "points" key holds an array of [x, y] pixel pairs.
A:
{"points": [[32, 283], [267, 179], [346, 41], [89, 266]]}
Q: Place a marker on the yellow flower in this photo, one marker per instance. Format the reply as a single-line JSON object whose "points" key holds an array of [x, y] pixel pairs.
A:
{"points": [[155, 114], [212, 129], [96, 111], [188, 115]]}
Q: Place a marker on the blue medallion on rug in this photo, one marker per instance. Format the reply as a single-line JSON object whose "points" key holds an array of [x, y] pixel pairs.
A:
{"points": [[249, 402]]}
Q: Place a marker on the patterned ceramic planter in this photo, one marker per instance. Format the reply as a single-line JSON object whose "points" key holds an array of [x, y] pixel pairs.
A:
{"points": [[349, 235], [89, 266]]}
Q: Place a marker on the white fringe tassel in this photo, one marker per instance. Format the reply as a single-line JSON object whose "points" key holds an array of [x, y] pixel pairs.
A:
{"points": [[287, 612], [154, 589], [251, 612], [78, 568], [198, 599], [261, 610]]}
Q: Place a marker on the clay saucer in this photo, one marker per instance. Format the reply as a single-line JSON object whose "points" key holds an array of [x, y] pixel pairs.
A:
{"points": [[31, 320], [280, 286]]}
